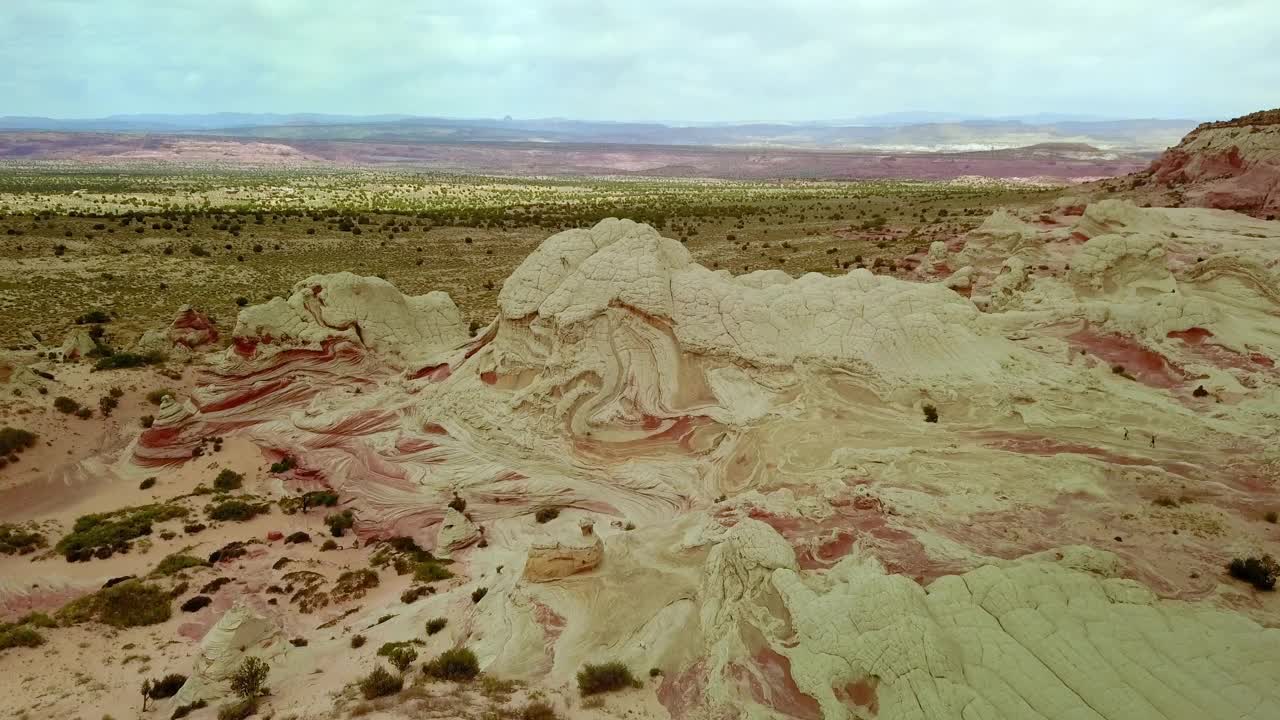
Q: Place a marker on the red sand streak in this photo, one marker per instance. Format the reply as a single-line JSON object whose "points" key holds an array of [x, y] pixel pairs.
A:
{"points": [[681, 692], [779, 690], [434, 373], [1146, 366], [861, 693]]}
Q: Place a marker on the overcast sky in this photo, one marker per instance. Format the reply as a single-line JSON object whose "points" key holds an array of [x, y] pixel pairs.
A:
{"points": [[640, 59]]}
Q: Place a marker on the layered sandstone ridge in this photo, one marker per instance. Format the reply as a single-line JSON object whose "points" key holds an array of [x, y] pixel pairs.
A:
{"points": [[1233, 164]]}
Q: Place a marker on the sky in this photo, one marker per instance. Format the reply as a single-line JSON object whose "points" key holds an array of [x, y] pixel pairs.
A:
{"points": [[640, 60]]}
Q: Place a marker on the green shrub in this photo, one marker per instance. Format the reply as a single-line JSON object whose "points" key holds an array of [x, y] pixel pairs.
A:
{"points": [[113, 530], [457, 664], [128, 604], [37, 619], [122, 360], [228, 480], [1260, 572], [357, 641], [147, 484], [930, 414], [13, 636], [14, 440], [177, 562], [319, 498], [340, 522], [328, 545], [478, 594], [431, 571], [167, 686], [239, 710], [354, 583], [236, 510], [389, 647], [65, 405], [546, 515], [538, 710], [284, 465], [606, 677], [248, 679], [413, 594], [436, 625], [185, 710], [14, 539], [402, 657], [380, 683], [155, 397]]}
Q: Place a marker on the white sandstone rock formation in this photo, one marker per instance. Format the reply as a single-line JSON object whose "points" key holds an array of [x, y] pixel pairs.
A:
{"points": [[367, 312], [800, 539], [456, 532], [564, 555], [239, 633], [77, 344]]}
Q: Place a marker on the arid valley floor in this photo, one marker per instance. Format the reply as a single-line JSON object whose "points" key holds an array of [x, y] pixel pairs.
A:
{"points": [[447, 445]]}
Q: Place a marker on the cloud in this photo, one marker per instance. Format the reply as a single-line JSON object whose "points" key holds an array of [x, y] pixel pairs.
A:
{"points": [[631, 60]]}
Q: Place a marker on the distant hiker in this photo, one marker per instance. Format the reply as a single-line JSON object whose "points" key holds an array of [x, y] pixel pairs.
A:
{"points": [[1153, 440], [1126, 433]]}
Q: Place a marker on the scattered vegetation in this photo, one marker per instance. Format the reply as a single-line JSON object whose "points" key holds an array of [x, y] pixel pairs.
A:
{"points": [[930, 414], [239, 710], [14, 440], [228, 480], [547, 514], [19, 634], [16, 540], [196, 603], [538, 710], [157, 396], [358, 641], [380, 683], [284, 465], [185, 710], [66, 405], [121, 360], [1260, 572], [319, 498], [457, 664], [147, 484], [236, 510], [353, 584], [478, 594], [131, 603], [606, 677], [249, 680], [435, 625], [176, 563], [339, 523], [431, 571], [402, 657], [167, 686], [102, 534]]}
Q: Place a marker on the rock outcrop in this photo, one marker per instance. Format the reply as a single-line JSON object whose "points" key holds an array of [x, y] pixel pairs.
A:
{"points": [[564, 556], [1233, 164], [826, 496]]}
